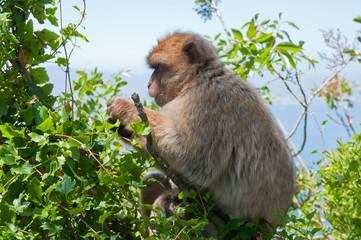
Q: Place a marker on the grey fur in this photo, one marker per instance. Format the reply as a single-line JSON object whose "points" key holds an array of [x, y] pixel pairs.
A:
{"points": [[216, 131]]}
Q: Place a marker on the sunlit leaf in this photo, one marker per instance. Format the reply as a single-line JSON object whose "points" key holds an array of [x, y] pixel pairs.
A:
{"points": [[251, 32], [288, 46], [237, 34], [357, 19], [263, 37], [9, 131]]}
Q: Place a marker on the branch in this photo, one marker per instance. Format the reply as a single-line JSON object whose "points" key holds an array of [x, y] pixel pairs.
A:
{"points": [[317, 91], [23, 71], [214, 6], [160, 162], [294, 148]]}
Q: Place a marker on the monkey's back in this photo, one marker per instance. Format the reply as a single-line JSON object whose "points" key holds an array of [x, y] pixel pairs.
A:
{"points": [[229, 132]]}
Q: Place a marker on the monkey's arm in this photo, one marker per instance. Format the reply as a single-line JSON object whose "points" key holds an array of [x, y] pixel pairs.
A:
{"points": [[188, 151]]}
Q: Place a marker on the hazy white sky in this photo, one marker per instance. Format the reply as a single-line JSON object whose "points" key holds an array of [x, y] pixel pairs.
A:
{"points": [[122, 32]]}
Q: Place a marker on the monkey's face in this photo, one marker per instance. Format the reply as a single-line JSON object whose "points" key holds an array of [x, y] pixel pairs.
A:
{"points": [[176, 60], [167, 63], [155, 88]]}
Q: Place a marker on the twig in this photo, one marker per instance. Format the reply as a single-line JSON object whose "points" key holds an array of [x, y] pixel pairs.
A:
{"points": [[160, 162], [317, 91], [64, 208], [10, 181], [67, 71], [274, 229], [214, 6], [28, 233], [139, 107], [180, 232], [23, 71], [294, 148], [288, 87]]}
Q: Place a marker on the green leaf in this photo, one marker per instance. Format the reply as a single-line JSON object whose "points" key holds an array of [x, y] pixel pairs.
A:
{"points": [[47, 89], [290, 59], [35, 191], [264, 22], [41, 139], [9, 132], [41, 113], [39, 75], [103, 217], [4, 106], [46, 126], [286, 62], [263, 37], [188, 194], [66, 185], [281, 15], [288, 46], [229, 49], [61, 61], [9, 154], [237, 34], [251, 32], [28, 114], [52, 228], [354, 166], [20, 207], [357, 137], [47, 35], [357, 19], [24, 169], [291, 24]]}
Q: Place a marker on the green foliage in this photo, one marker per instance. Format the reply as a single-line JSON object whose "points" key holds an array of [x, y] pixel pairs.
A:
{"points": [[341, 190], [261, 45], [205, 9]]}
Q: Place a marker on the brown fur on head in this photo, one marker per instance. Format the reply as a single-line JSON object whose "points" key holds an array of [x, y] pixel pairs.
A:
{"points": [[178, 57]]}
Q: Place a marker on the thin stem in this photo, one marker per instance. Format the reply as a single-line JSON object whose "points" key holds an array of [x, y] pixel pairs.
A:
{"points": [[314, 94], [28, 233], [214, 6], [294, 148]]}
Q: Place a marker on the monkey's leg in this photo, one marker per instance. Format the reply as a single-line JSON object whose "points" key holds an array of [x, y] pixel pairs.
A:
{"points": [[157, 183]]}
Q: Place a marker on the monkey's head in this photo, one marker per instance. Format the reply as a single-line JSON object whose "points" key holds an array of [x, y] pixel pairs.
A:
{"points": [[176, 61]]}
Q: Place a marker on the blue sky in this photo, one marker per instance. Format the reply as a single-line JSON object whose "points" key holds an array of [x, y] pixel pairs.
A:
{"points": [[122, 32]]}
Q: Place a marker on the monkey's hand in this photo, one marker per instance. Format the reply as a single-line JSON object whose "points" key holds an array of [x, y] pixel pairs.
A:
{"points": [[123, 110]]}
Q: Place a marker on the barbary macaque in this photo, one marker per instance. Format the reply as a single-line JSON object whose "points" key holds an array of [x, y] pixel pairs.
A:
{"points": [[215, 131]]}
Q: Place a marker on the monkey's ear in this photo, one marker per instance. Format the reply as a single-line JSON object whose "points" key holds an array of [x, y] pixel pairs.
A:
{"points": [[190, 49]]}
